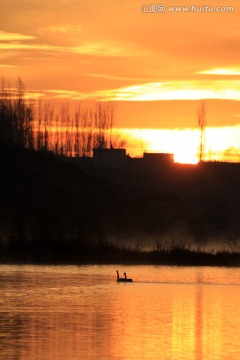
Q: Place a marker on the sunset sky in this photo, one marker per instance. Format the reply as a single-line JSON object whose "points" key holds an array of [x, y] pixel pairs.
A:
{"points": [[156, 65]]}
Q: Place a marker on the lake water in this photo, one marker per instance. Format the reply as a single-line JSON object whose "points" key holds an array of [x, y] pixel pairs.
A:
{"points": [[80, 312]]}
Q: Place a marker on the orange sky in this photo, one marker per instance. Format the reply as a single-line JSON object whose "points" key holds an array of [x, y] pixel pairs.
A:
{"points": [[156, 65]]}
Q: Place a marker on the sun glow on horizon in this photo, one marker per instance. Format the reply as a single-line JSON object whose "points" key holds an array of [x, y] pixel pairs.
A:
{"points": [[186, 157], [181, 143], [221, 144]]}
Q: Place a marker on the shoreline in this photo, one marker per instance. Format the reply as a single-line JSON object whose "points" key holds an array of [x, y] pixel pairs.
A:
{"points": [[105, 256]]}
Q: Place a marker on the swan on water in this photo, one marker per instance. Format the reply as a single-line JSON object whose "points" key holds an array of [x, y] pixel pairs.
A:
{"points": [[125, 279]]}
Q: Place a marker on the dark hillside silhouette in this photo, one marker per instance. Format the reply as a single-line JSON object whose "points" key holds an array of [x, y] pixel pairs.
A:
{"points": [[52, 211]]}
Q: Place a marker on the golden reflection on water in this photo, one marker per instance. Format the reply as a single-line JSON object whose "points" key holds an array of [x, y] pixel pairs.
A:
{"points": [[82, 313]]}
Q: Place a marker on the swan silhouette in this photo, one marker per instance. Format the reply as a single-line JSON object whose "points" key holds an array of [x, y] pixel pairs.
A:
{"points": [[125, 279]]}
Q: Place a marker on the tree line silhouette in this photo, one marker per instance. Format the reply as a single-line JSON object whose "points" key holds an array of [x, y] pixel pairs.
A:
{"points": [[16, 116], [37, 125]]}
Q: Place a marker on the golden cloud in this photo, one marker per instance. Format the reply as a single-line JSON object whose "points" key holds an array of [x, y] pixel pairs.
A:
{"points": [[155, 91], [59, 29], [221, 71], [178, 90], [66, 94], [6, 36], [95, 49], [9, 66]]}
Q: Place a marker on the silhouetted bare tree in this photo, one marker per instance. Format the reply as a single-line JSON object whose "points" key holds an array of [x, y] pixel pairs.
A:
{"points": [[16, 115], [202, 122], [104, 119]]}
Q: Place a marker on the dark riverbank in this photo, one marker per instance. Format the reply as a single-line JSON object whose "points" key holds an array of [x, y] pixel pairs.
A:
{"points": [[68, 254], [52, 211]]}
